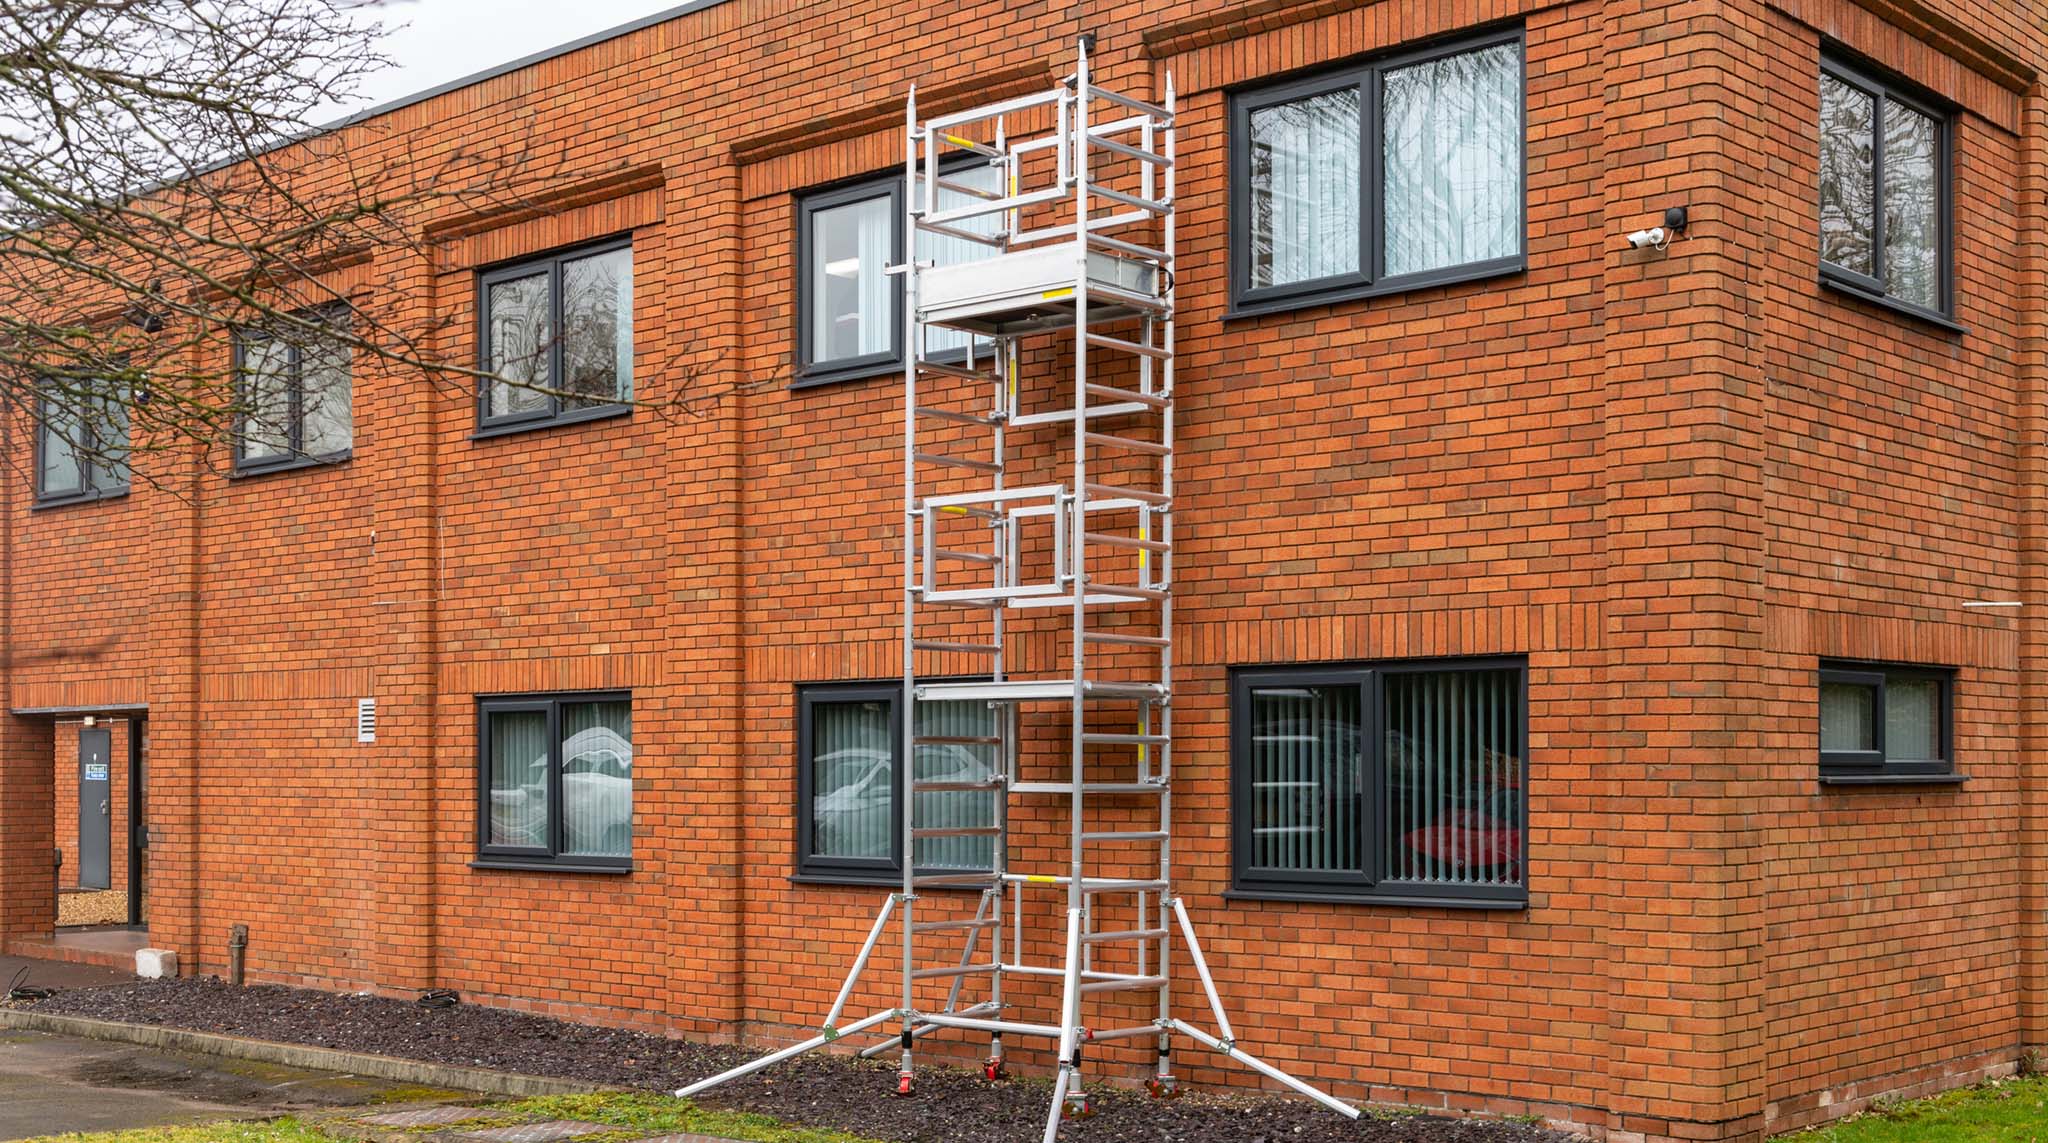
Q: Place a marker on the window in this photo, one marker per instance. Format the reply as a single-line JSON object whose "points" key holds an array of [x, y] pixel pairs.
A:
{"points": [[1396, 173], [1389, 783], [1884, 190], [295, 401], [1884, 723], [81, 441], [559, 332], [849, 785], [850, 309], [556, 775]]}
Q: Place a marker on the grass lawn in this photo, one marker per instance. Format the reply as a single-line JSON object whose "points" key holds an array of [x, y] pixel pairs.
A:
{"points": [[1998, 1111], [636, 1115]]}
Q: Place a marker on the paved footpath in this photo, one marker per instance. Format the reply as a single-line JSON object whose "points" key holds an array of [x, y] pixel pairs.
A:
{"points": [[52, 1084]]}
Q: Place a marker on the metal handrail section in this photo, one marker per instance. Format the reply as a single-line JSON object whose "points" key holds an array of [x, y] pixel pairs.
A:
{"points": [[1112, 552]]}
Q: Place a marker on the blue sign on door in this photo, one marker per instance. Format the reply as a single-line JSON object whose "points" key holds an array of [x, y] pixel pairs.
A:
{"points": [[95, 771]]}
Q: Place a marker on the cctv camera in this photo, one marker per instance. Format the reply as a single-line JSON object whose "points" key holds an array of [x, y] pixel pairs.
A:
{"points": [[1654, 236]]}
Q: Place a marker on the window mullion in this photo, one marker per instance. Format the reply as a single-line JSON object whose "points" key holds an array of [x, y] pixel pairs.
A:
{"points": [[1878, 102], [556, 337], [295, 402], [1373, 795], [555, 815], [1372, 175]]}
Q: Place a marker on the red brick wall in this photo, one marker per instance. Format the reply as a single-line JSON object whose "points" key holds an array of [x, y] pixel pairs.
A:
{"points": [[1672, 481]]}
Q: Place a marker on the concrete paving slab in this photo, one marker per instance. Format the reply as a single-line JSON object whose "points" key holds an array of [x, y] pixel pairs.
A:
{"points": [[53, 1084], [550, 1131], [425, 1117]]}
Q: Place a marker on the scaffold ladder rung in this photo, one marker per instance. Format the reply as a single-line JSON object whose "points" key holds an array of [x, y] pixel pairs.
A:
{"points": [[941, 647], [1110, 440], [1122, 639], [1123, 935], [1118, 492], [1122, 541], [958, 462]]}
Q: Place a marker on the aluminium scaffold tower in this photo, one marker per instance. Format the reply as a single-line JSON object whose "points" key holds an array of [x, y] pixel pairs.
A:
{"points": [[1054, 213]]}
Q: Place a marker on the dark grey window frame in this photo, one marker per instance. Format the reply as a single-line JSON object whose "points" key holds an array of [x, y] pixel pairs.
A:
{"points": [[1367, 281], [88, 491], [548, 859], [1249, 882], [1883, 88], [1870, 767], [296, 457], [810, 373], [809, 867], [551, 264]]}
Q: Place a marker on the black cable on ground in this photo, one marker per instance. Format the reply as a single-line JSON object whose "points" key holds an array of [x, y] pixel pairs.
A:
{"points": [[20, 989], [439, 998]]}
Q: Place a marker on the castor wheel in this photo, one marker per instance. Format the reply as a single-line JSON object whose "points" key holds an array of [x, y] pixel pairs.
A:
{"points": [[903, 1085], [1079, 1107], [1163, 1089], [992, 1069]]}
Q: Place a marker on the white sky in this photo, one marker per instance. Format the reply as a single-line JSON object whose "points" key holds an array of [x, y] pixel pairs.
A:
{"points": [[434, 41]]}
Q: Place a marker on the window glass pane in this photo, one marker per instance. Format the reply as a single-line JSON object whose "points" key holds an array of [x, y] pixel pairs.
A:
{"points": [[1912, 720], [1454, 777], [1306, 779], [1847, 176], [851, 788], [597, 779], [1304, 181], [946, 251], [1848, 717], [1453, 153], [519, 778], [327, 407], [597, 329], [107, 468], [953, 809], [266, 399], [850, 295], [60, 464], [521, 333], [1912, 206]]}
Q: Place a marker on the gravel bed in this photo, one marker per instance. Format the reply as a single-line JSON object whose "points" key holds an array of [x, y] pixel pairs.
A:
{"points": [[951, 1105]]}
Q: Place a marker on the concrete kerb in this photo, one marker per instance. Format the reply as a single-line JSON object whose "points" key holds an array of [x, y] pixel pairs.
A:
{"points": [[449, 1076]]}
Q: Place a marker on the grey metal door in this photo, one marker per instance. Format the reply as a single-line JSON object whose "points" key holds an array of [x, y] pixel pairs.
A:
{"points": [[95, 807]]}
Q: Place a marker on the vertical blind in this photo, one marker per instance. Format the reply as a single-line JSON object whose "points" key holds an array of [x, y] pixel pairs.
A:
{"points": [[1848, 717], [266, 399], [1452, 141], [851, 814], [1305, 189], [851, 313], [597, 779], [1307, 779], [954, 762], [1912, 720], [1453, 773], [853, 782], [519, 779], [1446, 809]]}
